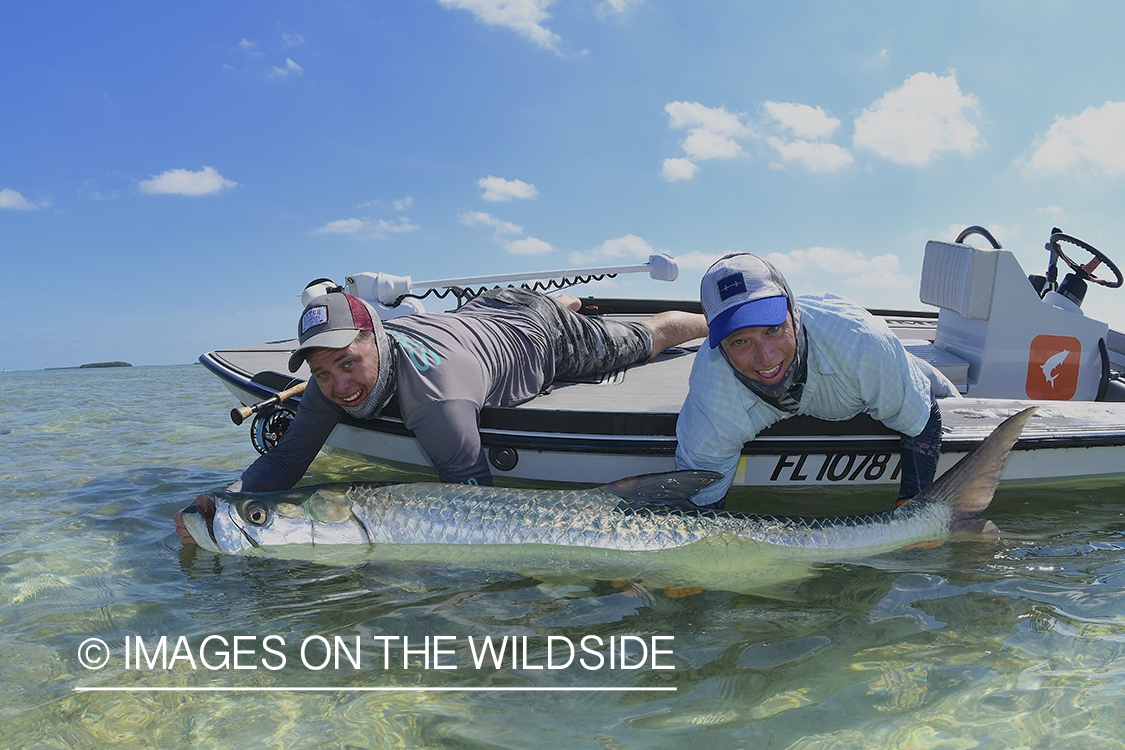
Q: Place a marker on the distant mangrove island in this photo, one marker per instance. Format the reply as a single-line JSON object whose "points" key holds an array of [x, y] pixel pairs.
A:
{"points": [[107, 364]]}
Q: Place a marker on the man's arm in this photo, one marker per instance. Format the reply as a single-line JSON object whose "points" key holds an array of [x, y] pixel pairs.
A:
{"points": [[920, 455], [287, 461], [703, 445], [899, 390], [449, 433]]}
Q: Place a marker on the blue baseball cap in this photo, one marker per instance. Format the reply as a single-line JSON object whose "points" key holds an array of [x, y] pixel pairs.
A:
{"points": [[742, 291]]}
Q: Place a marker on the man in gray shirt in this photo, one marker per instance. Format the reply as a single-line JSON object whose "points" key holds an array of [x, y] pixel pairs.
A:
{"points": [[501, 349]]}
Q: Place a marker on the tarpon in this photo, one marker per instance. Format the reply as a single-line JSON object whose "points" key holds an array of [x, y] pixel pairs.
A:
{"points": [[638, 528]]}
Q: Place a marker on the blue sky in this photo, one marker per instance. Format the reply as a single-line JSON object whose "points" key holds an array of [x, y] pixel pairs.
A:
{"points": [[173, 174]]}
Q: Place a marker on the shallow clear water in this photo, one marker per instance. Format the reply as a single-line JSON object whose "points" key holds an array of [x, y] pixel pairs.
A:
{"points": [[1014, 643]]}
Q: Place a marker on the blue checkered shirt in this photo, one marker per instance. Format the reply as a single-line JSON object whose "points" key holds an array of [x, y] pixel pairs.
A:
{"points": [[855, 364]]}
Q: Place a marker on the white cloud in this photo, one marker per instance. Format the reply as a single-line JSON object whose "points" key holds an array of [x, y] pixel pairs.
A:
{"points": [[500, 228], [290, 67], [678, 169], [1093, 140], [249, 47], [628, 247], [528, 246], [499, 189], [714, 133], [802, 120], [697, 260], [625, 247], [685, 115], [856, 267], [1052, 210], [706, 144], [206, 181], [342, 226], [399, 204], [813, 155], [377, 230], [711, 130], [801, 130], [711, 134], [472, 218], [91, 190], [383, 227], [15, 201], [525, 17], [927, 116], [619, 7], [289, 39], [882, 277]]}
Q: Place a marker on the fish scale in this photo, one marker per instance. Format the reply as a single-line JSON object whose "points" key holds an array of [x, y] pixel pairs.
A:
{"points": [[428, 513]]}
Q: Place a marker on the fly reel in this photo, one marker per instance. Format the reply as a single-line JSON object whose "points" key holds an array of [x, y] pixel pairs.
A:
{"points": [[269, 425]]}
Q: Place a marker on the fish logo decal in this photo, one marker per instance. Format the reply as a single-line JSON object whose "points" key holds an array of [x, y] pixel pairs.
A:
{"points": [[1052, 364], [1052, 367]]}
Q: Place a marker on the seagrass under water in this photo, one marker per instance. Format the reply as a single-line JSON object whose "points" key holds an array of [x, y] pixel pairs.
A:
{"points": [[1004, 643]]}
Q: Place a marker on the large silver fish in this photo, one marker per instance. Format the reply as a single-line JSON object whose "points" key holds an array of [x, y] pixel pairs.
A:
{"points": [[637, 528]]}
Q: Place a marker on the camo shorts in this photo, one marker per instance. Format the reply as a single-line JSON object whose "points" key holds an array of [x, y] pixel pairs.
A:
{"points": [[585, 346]]}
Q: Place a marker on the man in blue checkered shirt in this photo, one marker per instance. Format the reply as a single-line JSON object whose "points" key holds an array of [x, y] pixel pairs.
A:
{"points": [[771, 355]]}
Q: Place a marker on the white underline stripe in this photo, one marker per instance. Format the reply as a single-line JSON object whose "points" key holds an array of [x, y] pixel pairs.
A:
{"points": [[229, 689]]}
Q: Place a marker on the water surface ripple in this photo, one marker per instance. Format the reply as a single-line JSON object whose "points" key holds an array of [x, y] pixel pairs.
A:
{"points": [[985, 644]]}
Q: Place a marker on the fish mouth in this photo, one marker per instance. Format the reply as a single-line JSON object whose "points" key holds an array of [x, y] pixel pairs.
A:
{"points": [[196, 523]]}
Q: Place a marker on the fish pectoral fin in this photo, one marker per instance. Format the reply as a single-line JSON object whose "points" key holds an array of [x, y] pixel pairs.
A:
{"points": [[975, 527], [674, 488], [929, 544], [636, 590], [968, 527]]}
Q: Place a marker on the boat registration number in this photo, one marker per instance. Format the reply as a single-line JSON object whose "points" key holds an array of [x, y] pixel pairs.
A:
{"points": [[818, 468]]}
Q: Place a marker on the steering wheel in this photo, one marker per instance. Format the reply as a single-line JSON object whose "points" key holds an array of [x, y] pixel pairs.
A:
{"points": [[1086, 272]]}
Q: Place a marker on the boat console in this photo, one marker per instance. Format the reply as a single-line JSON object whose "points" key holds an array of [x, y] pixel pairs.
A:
{"points": [[1014, 342]]}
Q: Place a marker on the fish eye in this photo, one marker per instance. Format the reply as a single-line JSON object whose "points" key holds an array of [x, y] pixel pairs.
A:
{"points": [[256, 513]]}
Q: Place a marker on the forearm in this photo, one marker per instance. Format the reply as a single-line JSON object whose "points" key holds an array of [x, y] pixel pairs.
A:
{"points": [[286, 463], [920, 455], [713, 496], [271, 473]]}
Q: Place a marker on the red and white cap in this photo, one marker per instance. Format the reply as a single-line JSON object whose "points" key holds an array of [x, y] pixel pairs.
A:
{"points": [[331, 321]]}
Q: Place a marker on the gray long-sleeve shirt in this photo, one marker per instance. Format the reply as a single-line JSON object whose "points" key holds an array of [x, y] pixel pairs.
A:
{"points": [[450, 365]]}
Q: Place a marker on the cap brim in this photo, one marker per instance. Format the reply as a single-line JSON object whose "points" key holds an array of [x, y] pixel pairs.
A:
{"points": [[325, 340], [769, 311]]}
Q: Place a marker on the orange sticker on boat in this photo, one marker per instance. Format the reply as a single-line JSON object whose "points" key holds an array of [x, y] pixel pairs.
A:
{"points": [[1052, 368]]}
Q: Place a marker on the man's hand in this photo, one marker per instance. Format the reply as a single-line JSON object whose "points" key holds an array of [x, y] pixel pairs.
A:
{"points": [[206, 504]]}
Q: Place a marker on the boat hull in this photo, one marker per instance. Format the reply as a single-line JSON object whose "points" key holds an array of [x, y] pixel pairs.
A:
{"points": [[595, 433]]}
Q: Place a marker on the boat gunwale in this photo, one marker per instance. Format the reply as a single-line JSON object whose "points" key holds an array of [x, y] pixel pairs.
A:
{"points": [[861, 435]]}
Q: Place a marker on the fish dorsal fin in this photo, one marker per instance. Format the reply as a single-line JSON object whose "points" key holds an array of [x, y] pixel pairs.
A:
{"points": [[968, 487], [670, 488]]}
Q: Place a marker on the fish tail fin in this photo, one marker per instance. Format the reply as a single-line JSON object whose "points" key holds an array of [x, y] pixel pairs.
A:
{"points": [[673, 488], [969, 486]]}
